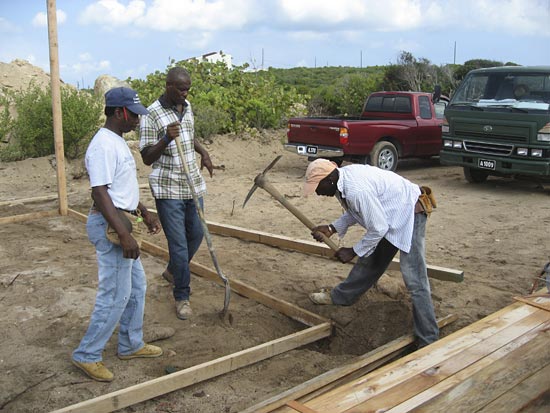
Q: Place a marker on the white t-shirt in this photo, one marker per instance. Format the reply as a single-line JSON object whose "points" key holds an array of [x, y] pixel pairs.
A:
{"points": [[110, 162]]}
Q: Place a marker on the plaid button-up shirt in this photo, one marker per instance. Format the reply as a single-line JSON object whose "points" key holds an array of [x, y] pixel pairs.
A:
{"points": [[167, 179]]}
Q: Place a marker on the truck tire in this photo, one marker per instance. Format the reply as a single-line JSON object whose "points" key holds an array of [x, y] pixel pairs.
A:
{"points": [[384, 156], [475, 176]]}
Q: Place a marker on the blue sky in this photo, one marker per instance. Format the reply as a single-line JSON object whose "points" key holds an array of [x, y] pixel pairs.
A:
{"points": [[133, 38]]}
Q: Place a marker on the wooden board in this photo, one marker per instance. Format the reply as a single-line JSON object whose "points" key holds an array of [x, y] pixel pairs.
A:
{"points": [[428, 374], [362, 365], [28, 217], [312, 247]]}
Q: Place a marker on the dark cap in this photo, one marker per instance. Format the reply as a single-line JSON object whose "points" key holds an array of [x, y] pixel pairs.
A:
{"points": [[124, 97]]}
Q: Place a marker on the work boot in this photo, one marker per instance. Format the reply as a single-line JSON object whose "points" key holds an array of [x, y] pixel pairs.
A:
{"points": [[95, 370], [168, 276], [147, 351], [322, 297], [183, 309]]}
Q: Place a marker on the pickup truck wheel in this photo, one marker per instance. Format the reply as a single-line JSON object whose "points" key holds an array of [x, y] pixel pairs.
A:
{"points": [[384, 156], [475, 176]]}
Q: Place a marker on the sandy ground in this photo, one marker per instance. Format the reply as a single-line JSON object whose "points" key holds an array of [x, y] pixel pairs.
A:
{"points": [[495, 232]]}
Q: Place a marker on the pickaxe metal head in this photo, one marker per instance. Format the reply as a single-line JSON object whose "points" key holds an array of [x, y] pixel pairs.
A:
{"points": [[259, 179]]}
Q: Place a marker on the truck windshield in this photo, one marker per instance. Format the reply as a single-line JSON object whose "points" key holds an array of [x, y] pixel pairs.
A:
{"points": [[501, 89]]}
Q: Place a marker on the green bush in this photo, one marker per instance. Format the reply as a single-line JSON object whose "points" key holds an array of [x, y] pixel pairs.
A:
{"points": [[228, 100], [32, 130]]}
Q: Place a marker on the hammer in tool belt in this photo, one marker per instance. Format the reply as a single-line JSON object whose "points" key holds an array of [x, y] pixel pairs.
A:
{"points": [[261, 182]]}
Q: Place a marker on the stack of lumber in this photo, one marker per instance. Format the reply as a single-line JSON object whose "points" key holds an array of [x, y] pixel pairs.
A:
{"points": [[499, 364]]}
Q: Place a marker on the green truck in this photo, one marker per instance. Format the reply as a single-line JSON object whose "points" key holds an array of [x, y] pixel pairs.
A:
{"points": [[498, 123]]}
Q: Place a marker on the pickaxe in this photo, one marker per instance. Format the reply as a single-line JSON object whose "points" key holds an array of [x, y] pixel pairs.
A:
{"points": [[261, 182]]}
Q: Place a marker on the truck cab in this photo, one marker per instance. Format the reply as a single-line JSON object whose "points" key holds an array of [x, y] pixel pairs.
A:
{"points": [[498, 123]]}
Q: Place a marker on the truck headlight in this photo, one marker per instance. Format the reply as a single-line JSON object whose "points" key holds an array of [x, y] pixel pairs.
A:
{"points": [[523, 151], [536, 152], [444, 128], [457, 144], [447, 143]]}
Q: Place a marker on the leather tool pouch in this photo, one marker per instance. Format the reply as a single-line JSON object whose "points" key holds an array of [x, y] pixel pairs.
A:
{"points": [[427, 200], [133, 223]]}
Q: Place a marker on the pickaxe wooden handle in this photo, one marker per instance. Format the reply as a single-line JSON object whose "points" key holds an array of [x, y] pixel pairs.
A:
{"points": [[262, 182]]}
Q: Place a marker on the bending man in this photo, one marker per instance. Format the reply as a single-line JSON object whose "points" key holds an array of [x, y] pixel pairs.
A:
{"points": [[388, 207]]}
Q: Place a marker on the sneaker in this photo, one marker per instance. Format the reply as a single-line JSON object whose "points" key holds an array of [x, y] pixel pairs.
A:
{"points": [[147, 351], [95, 370], [322, 297], [183, 309], [168, 276]]}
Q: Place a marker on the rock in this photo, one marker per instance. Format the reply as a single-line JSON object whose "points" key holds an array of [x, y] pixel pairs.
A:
{"points": [[391, 287], [106, 82]]}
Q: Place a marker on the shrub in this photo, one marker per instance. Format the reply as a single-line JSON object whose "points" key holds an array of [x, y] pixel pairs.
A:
{"points": [[33, 127]]}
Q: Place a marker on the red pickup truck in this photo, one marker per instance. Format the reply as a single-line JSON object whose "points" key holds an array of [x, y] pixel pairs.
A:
{"points": [[393, 125]]}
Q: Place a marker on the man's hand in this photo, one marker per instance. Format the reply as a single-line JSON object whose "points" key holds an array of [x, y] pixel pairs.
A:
{"points": [[130, 248], [345, 254], [173, 131], [321, 229], [152, 222], [205, 161]]}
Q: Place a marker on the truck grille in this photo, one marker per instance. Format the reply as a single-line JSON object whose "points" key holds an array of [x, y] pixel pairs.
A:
{"points": [[488, 148]]}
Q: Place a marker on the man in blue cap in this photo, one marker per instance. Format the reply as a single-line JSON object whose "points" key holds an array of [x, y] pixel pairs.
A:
{"points": [[121, 289]]}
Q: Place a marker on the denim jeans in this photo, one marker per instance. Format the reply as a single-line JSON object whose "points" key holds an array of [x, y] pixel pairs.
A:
{"points": [[367, 270], [183, 230], [120, 298]]}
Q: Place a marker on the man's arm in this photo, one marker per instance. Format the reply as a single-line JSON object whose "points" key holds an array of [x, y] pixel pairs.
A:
{"points": [[151, 153], [205, 157]]}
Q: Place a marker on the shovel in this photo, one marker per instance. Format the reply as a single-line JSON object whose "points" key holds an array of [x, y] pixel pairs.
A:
{"points": [[205, 228]]}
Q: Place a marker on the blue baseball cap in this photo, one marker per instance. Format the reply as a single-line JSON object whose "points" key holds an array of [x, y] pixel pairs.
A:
{"points": [[124, 97]]}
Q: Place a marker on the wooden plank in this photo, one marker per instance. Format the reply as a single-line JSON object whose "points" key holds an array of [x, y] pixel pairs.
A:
{"points": [[356, 392], [405, 389], [530, 390], [299, 407], [541, 301], [335, 377], [290, 310], [28, 217], [469, 371], [312, 247], [29, 200], [166, 384], [493, 381]]}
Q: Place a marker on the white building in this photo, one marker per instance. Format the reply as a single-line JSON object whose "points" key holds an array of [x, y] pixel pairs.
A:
{"points": [[215, 57]]}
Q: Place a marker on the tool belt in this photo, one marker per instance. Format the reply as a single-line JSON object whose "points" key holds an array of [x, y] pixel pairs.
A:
{"points": [[133, 221], [426, 200]]}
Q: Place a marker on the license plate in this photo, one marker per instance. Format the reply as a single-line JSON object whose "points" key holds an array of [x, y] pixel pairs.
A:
{"points": [[307, 150], [486, 164]]}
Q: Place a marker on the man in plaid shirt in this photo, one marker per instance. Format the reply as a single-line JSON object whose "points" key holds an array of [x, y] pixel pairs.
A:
{"points": [[170, 117]]}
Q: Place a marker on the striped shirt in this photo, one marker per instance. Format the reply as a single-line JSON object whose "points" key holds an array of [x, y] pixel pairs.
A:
{"points": [[381, 201], [167, 179]]}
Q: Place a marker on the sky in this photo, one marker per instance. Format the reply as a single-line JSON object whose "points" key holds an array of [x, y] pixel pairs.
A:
{"points": [[133, 38]]}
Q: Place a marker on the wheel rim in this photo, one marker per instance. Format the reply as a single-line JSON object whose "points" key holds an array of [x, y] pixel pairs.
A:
{"points": [[386, 159]]}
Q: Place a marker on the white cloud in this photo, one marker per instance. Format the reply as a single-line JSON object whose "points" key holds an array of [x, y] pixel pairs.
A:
{"points": [[8, 27], [87, 65], [112, 14], [185, 16], [41, 19]]}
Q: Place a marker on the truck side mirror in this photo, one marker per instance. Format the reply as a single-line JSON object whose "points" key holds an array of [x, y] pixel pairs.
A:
{"points": [[437, 94]]}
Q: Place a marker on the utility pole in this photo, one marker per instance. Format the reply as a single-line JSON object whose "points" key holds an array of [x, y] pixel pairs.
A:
{"points": [[454, 55], [262, 58], [361, 60]]}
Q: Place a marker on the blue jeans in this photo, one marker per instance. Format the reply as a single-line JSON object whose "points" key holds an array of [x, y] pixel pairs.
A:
{"points": [[367, 270], [183, 230], [120, 298]]}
